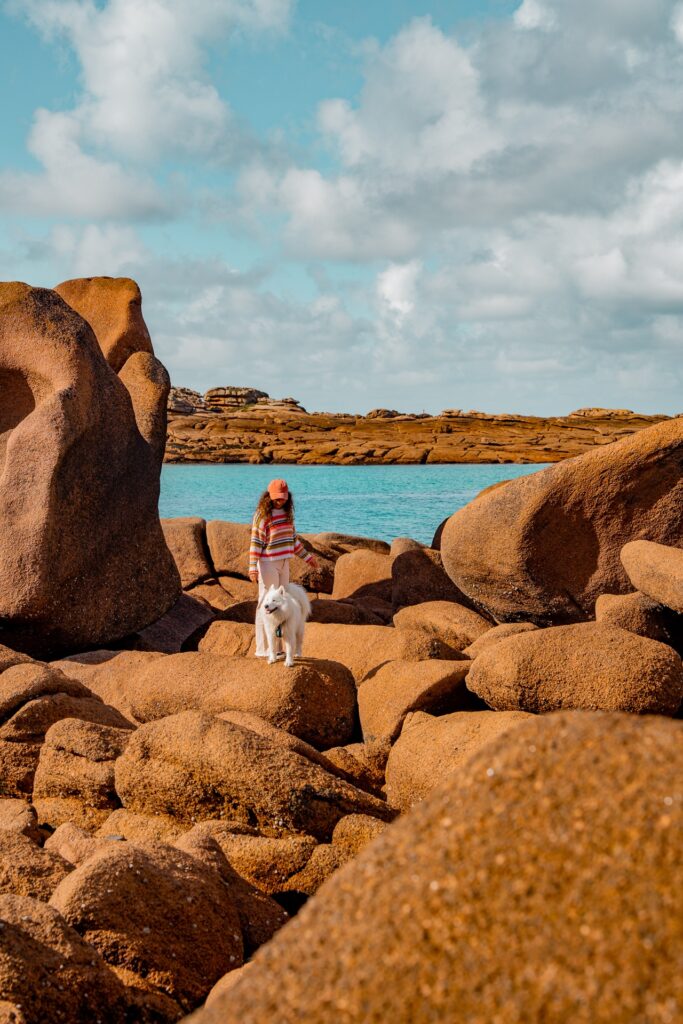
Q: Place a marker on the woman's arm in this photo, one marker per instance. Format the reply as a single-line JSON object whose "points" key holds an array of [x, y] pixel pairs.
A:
{"points": [[302, 552], [256, 544]]}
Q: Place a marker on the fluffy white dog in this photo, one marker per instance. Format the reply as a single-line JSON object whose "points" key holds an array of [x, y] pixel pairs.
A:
{"points": [[283, 612]]}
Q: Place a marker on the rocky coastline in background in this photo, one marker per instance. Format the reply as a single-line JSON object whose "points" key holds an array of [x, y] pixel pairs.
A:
{"points": [[235, 424], [463, 803]]}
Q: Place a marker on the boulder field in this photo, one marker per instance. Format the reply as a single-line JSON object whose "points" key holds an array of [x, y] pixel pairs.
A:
{"points": [[464, 802]]}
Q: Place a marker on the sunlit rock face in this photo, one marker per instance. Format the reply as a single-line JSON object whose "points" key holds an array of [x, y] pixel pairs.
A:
{"points": [[82, 556]]}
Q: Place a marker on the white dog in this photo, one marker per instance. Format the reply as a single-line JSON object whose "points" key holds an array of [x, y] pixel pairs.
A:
{"points": [[283, 612]]}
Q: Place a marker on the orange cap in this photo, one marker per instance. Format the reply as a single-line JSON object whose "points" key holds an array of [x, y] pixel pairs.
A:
{"points": [[278, 489]]}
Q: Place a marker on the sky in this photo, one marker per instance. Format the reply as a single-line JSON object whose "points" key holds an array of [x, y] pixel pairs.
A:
{"points": [[417, 204]]}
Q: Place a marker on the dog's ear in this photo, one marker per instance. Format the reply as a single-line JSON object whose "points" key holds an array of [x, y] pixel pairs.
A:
{"points": [[281, 590]]}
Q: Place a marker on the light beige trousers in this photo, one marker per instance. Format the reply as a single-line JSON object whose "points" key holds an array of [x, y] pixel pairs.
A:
{"points": [[272, 572]]}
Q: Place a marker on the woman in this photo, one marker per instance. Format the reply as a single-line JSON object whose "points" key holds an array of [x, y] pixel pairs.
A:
{"points": [[273, 543]]}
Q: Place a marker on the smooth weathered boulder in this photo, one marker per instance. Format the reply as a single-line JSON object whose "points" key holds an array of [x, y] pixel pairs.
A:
{"points": [[214, 595], [229, 638], [364, 648], [34, 696], [9, 657], [328, 548], [640, 614], [48, 973], [656, 570], [399, 545], [543, 882], [280, 737], [18, 815], [237, 588], [229, 547], [545, 546], [113, 308], [142, 828], [106, 673], [266, 862], [74, 779], [363, 574], [179, 629], [343, 613], [197, 767], [28, 870], [82, 556], [226, 982], [356, 831], [430, 748], [186, 539], [418, 575], [315, 701], [323, 862], [362, 763], [587, 666], [157, 913], [400, 687], [259, 915], [74, 844], [452, 623], [495, 635]]}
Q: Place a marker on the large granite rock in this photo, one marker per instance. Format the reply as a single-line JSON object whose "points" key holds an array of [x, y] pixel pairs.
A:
{"points": [[544, 547], [588, 666], [640, 614], [541, 883], [197, 767], [430, 748], [33, 697], [364, 648], [26, 870], [399, 687], [450, 622], [656, 570], [159, 914], [315, 700], [75, 775], [48, 973], [82, 556], [113, 308]]}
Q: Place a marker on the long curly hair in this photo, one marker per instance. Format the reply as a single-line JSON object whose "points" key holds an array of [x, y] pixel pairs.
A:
{"points": [[265, 507]]}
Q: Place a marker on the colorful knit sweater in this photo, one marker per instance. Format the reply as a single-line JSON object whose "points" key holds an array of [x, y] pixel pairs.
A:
{"points": [[274, 537]]}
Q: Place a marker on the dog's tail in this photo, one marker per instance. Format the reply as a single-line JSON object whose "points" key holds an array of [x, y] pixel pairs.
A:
{"points": [[301, 597]]}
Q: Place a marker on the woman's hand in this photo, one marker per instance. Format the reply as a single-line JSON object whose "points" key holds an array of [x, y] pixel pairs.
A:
{"points": [[313, 562], [253, 575]]}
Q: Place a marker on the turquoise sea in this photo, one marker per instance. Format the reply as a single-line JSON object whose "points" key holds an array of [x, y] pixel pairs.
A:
{"points": [[373, 501]]}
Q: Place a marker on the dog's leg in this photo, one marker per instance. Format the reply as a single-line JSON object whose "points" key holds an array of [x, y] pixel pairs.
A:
{"points": [[272, 655], [289, 647]]}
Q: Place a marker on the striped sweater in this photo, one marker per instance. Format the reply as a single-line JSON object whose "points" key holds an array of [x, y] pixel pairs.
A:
{"points": [[274, 537]]}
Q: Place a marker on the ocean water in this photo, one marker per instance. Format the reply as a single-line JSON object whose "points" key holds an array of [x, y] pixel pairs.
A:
{"points": [[372, 501]]}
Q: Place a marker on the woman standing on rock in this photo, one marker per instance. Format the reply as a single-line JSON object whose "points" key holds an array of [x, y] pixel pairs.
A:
{"points": [[273, 543]]}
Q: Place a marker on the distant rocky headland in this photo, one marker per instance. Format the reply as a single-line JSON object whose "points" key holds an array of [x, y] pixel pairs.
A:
{"points": [[239, 424]]}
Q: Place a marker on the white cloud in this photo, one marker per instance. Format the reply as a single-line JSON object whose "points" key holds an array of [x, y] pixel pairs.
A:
{"points": [[75, 183], [533, 14], [96, 250], [507, 211], [677, 22], [420, 109], [396, 289], [145, 96], [145, 90]]}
